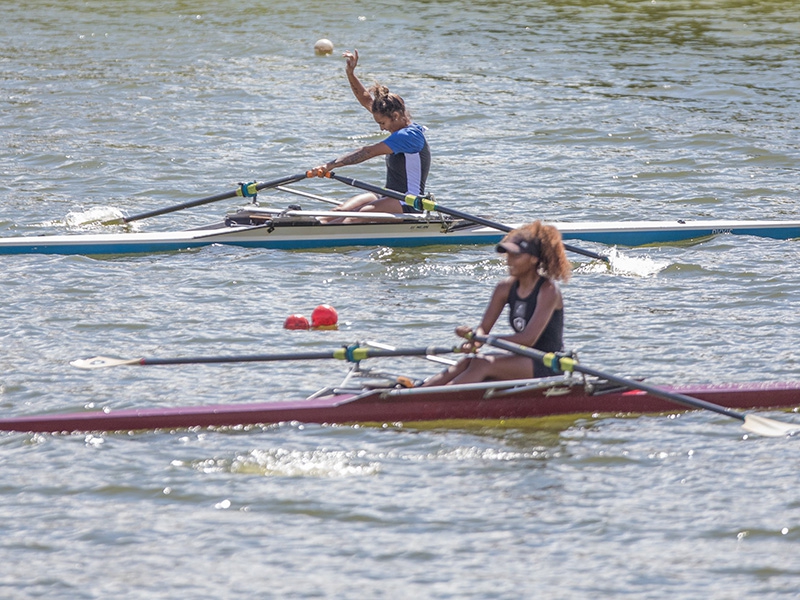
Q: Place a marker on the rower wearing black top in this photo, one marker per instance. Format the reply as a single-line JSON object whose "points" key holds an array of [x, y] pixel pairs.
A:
{"points": [[521, 311], [536, 260]]}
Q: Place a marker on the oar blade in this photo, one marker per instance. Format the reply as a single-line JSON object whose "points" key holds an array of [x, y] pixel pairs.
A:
{"points": [[101, 362], [769, 427]]}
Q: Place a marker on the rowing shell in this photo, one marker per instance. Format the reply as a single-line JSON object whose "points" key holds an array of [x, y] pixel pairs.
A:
{"points": [[297, 229], [506, 402]]}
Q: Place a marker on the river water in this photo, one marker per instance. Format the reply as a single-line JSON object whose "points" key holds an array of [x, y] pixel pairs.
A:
{"points": [[563, 109]]}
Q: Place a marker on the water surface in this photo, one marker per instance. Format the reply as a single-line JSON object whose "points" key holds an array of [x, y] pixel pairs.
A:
{"points": [[565, 110]]}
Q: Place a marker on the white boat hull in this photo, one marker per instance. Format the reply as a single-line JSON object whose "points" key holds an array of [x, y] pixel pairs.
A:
{"points": [[295, 230]]}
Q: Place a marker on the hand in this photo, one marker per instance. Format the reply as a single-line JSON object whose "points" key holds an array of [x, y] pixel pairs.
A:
{"points": [[321, 171], [351, 59], [470, 345], [464, 331]]}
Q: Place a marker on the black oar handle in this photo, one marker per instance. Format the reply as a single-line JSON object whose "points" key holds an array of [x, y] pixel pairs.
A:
{"points": [[427, 203], [216, 198]]}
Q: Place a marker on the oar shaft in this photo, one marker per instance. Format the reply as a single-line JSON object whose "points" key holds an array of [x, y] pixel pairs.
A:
{"points": [[177, 207], [376, 189], [569, 364], [688, 401], [215, 198], [353, 353], [429, 204], [190, 360]]}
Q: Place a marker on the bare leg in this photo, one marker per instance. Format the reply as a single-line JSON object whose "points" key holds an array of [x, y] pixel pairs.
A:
{"points": [[496, 366], [365, 203], [476, 369], [356, 203], [449, 373], [381, 205]]}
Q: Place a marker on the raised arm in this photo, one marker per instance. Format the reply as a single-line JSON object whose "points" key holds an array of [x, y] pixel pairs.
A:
{"points": [[359, 91]]}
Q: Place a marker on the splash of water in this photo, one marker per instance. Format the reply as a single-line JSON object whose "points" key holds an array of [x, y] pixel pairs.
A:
{"points": [[624, 265], [93, 217]]}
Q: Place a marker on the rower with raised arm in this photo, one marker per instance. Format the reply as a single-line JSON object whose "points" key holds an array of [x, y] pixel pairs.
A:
{"points": [[408, 156], [536, 260]]}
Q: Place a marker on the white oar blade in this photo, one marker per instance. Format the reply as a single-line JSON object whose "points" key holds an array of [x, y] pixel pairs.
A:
{"points": [[101, 362], [769, 427]]}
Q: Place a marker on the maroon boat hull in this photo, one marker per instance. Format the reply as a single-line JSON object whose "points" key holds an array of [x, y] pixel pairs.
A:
{"points": [[378, 407]]}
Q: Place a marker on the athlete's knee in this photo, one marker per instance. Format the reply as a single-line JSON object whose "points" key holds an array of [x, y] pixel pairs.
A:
{"points": [[478, 367]]}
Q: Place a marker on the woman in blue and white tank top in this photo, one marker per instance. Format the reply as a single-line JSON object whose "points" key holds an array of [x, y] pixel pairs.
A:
{"points": [[536, 260], [408, 157]]}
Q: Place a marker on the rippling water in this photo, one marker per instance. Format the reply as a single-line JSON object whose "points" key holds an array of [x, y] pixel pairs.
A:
{"points": [[568, 110]]}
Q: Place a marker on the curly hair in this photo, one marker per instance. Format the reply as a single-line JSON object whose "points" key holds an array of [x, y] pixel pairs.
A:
{"points": [[553, 262], [385, 102]]}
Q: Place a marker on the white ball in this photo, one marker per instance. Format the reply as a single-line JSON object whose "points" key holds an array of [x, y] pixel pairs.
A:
{"points": [[323, 47]]}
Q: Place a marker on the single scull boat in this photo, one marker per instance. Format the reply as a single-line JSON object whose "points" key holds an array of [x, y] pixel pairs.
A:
{"points": [[303, 229], [495, 403]]}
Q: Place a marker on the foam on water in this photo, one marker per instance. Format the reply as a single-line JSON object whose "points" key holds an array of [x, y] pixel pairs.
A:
{"points": [[284, 462], [634, 266], [92, 218], [624, 265]]}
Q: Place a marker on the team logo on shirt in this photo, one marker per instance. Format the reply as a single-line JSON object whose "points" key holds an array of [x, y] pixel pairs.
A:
{"points": [[518, 316]]}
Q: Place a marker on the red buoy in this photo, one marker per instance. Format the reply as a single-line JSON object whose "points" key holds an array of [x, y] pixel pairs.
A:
{"points": [[324, 316], [296, 322]]}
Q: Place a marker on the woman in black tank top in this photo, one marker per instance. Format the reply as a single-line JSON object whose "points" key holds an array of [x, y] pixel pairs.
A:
{"points": [[536, 259]]}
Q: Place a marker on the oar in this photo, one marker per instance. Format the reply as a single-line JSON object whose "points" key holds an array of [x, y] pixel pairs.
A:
{"points": [[353, 353], [432, 358], [247, 190], [427, 203], [558, 362]]}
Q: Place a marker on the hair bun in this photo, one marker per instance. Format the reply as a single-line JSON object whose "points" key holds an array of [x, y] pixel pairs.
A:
{"points": [[385, 102]]}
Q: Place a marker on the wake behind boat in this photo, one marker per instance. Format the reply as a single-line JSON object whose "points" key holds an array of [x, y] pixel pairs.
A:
{"points": [[304, 229]]}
